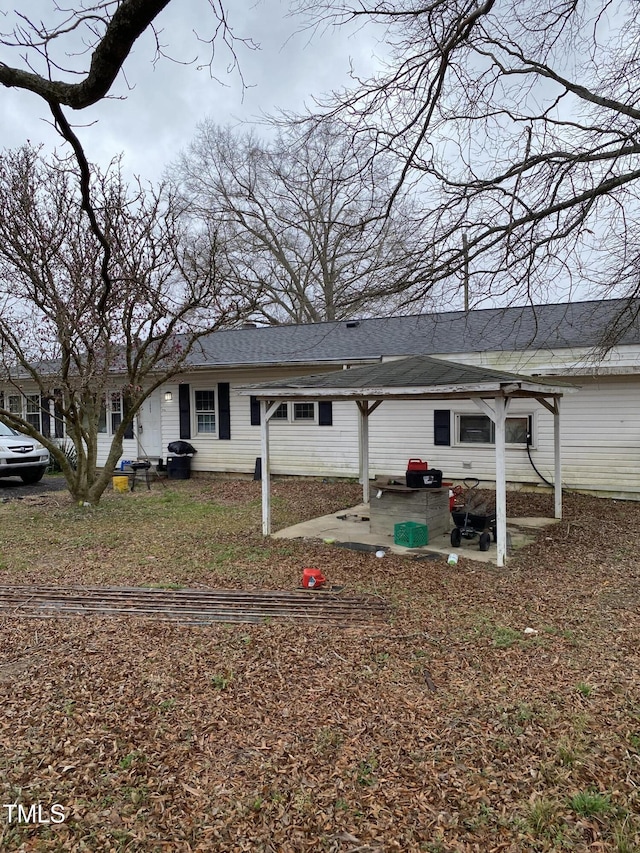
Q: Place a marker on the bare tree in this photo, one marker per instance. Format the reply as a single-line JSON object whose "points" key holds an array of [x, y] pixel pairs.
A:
{"points": [[90, 43], [299, 221], [64, 342], [94, 282], [521, 121]]}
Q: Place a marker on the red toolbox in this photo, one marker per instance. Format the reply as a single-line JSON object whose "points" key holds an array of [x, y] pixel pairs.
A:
{"points": [[417, 465]]}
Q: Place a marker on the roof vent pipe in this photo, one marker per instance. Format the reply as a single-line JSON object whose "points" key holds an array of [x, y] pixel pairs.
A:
{"points": [[353, 324]]}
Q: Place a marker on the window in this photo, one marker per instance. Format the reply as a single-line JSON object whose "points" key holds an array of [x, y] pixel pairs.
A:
{"points": [[480, 429], [116, 411], [102, 417], [205, 406], [303, 412], [475, 429], [281, 413], [33, 413], [27, 407], [517, 429], [57, 414]]}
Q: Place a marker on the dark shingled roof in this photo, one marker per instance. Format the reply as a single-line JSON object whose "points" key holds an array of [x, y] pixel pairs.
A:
{"points": [[417, 371], [578, 324]]}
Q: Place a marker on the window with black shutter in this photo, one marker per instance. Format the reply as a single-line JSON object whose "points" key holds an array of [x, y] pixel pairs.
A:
{"points": [[325, 413], [442, 427], [224, 411], [254, 410], [184, 410]]}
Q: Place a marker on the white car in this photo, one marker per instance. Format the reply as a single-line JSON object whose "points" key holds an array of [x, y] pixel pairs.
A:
{"points": [[21, 456]]}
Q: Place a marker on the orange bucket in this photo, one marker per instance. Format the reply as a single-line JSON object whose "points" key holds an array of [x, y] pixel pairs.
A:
{"points": [[312, 578]]}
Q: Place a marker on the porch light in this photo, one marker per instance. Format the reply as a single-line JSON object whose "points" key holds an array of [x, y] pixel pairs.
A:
{"points": [[168, 396]]}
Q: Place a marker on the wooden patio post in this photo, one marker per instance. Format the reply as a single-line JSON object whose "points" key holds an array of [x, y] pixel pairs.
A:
{"points": [[363, 448], [557, 455], [265, 470], [501, 480]]}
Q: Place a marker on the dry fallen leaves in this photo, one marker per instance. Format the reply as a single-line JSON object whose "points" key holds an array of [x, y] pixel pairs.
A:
{"points": [[446, 729]]}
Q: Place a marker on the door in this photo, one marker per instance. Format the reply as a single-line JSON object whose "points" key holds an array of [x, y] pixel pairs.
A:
{"points": [[150, 427]]}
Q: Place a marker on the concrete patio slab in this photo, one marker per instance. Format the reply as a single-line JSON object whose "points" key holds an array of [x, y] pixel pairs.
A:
{"points": [[350, 527]]}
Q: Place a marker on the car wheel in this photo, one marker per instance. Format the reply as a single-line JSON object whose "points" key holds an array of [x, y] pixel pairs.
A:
{"points": [[32, 476]]}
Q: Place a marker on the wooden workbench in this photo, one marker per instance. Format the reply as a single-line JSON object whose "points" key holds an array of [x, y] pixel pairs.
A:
{"points": [[393, 502]]}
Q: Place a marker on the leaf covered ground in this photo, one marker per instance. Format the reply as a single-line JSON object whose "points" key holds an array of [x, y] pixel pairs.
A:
{"points": [[451, 728]]}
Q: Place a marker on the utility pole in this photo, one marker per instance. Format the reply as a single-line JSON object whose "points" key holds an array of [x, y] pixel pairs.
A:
{"points": [[465, 278]]}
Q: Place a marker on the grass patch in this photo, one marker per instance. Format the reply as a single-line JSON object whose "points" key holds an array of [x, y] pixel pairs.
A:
{"points": [[504, 637], [221, 682], [590, 803], [542, 816]]}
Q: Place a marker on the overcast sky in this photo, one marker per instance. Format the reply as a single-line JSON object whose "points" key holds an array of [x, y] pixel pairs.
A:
{"points": [[166, 101]]}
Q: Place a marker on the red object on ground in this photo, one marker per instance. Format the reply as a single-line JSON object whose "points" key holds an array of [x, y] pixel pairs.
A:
{"points": [[312, 578], [452, 494], [417, 465]]}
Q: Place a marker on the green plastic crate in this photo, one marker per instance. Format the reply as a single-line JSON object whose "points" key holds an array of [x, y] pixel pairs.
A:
{"points": [[411, 534]]}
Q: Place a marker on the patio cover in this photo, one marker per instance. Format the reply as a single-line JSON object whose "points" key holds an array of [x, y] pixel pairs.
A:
{"points": [[415, 378]]}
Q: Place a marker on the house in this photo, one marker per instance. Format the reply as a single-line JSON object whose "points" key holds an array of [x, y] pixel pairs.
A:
{"points": [[600, 425]]}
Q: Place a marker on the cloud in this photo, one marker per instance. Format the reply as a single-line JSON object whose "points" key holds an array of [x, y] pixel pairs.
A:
{"points": [[154, 107]]}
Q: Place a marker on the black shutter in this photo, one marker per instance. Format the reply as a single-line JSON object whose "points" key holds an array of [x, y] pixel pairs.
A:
{"points": [[58, 420], [184, 409], [325, 413], [128, 433], [224, 411], [46, 417], [442, 427], [254, 407]]}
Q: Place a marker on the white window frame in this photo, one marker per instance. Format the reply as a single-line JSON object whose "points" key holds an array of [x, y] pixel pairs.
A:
{"points": [[33, 409], [314, 412], [25, 406], [195, 412], [529, 416], [116, 410], [112, 406], [291, 413], [11, 405], [278, 415]]}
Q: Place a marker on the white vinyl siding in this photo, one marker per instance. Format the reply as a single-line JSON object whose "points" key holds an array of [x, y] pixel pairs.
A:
{"points": [[18, 405], [298, 448], [600, 434]]}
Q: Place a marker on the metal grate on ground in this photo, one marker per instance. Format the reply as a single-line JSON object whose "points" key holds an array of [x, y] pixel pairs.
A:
{"points": [[191, 606]]}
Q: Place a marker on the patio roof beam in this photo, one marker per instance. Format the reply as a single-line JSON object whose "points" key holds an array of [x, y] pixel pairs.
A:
{"points": [[488, 390]]}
